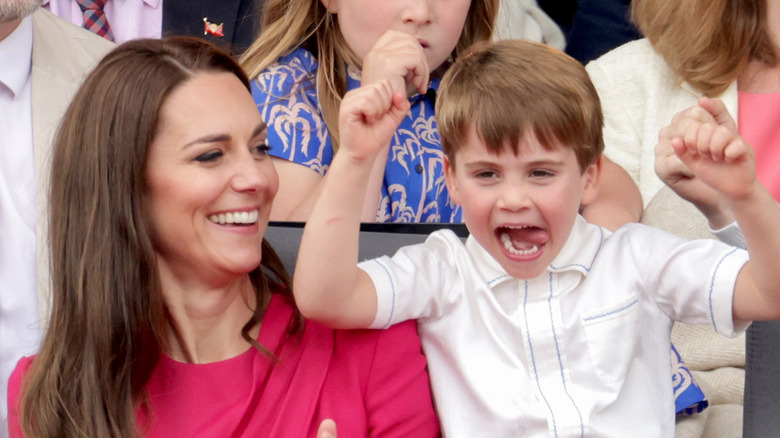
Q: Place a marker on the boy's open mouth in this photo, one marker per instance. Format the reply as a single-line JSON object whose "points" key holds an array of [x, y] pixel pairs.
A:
{"points": [[522, 240]]}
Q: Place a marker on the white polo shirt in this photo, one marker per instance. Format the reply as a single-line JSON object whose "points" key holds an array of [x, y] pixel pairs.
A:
{"points": [[582, 350]]}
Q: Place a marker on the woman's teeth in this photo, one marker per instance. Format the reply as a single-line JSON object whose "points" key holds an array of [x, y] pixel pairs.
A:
{"points": [[237, 217]]}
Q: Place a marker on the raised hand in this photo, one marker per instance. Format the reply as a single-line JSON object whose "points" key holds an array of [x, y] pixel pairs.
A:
{"points": [[399, 58], [696, 124], [709, 145], [368, 118]]}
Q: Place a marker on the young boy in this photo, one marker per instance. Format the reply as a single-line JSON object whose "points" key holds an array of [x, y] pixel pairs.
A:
{"points": [[540, 324]]}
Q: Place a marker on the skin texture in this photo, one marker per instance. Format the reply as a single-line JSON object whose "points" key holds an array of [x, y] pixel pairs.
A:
{"points": [[209, 158], [537, 188]]}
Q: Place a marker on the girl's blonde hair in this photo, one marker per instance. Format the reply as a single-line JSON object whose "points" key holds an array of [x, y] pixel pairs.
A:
{"points": [[288, 24], [707, 43], [108, 318]]}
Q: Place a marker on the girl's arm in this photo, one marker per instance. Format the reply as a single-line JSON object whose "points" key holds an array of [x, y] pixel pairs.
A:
{"points": [[618, 201], [396, 57], [300, 187]]}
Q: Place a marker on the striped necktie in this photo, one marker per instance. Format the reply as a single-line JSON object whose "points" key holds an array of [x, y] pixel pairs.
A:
{"points": [[94, 17]]}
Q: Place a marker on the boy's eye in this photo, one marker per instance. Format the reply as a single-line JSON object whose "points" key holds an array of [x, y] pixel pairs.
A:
{"points": [[540, 173], [209, 156], [486, 174]]}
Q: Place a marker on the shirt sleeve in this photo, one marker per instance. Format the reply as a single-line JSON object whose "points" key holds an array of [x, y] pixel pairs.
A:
{"points": [[398, 397], [287, 100], [731, 234], [691, 281], [416, 282]]}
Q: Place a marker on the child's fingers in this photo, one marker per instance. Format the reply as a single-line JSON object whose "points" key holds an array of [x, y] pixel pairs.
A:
{"points": [[378, 99], [717, 109]]}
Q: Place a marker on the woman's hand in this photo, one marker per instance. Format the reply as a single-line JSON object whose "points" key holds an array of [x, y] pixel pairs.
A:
{"points": [[327, 429]]}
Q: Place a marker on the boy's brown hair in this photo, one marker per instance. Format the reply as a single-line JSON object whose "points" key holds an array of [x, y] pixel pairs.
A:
{"points": [[506, 87]]}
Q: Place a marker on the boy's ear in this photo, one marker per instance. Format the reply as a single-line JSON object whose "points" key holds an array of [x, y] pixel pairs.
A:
{"points": [[592, 174], [331, 5], [452, 182]]}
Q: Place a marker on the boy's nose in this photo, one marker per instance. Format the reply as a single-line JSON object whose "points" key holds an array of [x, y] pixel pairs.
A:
{"points": [[514, 197], [417, 12]]}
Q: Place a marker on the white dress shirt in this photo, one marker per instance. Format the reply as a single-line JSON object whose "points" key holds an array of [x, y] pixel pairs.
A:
{"points": [[20, 330], [581, 350]]}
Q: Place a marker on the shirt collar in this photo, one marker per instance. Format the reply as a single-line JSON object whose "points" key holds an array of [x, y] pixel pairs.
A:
{"points": [[150, 3], [15, 47], [577, 254]]}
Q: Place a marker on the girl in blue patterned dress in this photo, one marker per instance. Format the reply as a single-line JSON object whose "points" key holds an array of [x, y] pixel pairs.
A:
{"points": [[410, 43]]}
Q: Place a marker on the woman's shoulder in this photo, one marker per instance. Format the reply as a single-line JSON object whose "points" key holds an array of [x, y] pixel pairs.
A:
{"points": [[14, 390], [19, 372], [631, 60]]}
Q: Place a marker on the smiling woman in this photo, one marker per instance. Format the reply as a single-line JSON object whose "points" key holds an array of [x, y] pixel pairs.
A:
{"points": [[172, 316]]}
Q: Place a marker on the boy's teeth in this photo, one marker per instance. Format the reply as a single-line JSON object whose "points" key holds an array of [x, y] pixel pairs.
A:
{"points": [[507, 242], [236, 217]]}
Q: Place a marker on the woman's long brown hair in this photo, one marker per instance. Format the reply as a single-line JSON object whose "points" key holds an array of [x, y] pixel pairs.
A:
{"points": [[107, 324]]}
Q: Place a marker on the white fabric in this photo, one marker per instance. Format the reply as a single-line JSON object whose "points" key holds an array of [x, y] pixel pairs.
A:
{"points": [[582, 350], [639, 95], [19, 329], [129, 19], [730, 234], [525, 20]]}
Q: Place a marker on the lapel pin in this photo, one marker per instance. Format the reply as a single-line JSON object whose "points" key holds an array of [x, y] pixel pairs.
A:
{"points": [[210, 28]]}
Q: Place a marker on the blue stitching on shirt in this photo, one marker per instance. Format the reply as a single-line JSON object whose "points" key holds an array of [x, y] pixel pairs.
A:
{"points": [[533, 359], [500, 277], [392, 288], [626, 307], [712, 286], [560, 362]]}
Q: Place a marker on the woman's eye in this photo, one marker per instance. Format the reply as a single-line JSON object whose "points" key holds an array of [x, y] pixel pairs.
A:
{"points": [[261, 150], [209, 156]]}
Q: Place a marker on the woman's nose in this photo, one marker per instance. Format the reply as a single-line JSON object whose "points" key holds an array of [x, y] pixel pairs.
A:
{"points": [[252, 175]]}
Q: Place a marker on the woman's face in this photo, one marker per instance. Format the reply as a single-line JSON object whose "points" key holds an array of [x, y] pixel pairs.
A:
{"points": [[210, 182]]}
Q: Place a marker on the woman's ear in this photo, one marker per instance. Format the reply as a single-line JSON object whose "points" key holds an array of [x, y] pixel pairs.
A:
{"points": [[331, 5]]}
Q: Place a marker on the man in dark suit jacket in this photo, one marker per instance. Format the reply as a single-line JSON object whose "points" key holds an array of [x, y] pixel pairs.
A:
{"points": [[240, 20], [231, 24]]}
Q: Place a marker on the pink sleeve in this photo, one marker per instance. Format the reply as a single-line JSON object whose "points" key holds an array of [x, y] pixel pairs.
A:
{"points": [[14, 386], [398, 395]]}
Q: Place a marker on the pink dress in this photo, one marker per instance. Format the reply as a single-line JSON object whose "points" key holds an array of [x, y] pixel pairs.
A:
{"points": [[759, 125], [372, 383]]}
